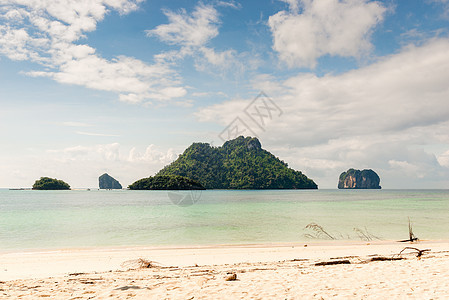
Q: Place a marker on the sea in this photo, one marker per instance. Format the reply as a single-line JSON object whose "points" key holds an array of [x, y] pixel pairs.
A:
{"points": [[36, 220]]}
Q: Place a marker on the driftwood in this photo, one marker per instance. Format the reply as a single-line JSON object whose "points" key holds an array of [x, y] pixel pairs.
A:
{"points": [[383, 258], [412, 237], [419, 252], [333, 262]]}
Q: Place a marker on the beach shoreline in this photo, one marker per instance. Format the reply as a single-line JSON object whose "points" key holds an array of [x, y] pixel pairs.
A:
{"points": [[287, 270], [21, 264]]}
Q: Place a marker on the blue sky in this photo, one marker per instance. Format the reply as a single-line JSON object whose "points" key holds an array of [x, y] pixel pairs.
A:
{"points": [[123, 87]]}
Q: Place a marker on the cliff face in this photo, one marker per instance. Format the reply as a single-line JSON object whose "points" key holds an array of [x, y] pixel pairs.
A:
{"points": [[108, 183], [356, 179]]}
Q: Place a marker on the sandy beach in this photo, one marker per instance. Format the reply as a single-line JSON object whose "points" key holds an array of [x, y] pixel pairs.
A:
{"points": [[282, 271]]}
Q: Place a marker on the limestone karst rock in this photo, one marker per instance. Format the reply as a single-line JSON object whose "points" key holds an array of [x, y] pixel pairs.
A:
{"points": [[356, 179], [107, 182]]}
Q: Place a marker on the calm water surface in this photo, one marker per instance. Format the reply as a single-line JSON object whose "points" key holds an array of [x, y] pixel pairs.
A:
{"points": [[66, 219]]}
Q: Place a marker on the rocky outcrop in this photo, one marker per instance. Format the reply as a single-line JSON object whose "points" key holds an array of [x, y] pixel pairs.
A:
{"points": [[106, 182], [356, 179]]}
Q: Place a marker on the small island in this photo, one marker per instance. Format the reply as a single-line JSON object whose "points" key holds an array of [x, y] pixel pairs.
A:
{"points": [[168, 182], [46, 183], [356, 179], [107, 182]]}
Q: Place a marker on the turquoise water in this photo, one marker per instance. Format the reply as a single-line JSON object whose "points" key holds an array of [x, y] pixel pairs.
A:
{"points": [[67, 219]]}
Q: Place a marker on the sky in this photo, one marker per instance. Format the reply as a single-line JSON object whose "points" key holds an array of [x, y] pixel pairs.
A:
{"points": [[124, 86]]}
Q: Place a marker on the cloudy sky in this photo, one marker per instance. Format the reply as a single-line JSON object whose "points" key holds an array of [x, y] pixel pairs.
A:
{"points": [[124, 86]]}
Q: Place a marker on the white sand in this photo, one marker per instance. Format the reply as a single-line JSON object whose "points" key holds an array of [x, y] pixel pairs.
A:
{"points": [[263, 272]]}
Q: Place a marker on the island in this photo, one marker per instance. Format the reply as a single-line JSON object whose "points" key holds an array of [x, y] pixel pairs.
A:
{"points": [[240, 163], [46, 183], [356, 179], [166, 182], [107, 182]]}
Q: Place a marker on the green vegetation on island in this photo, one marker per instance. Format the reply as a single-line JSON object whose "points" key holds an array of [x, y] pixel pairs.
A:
{"points": [[356, 179], [46, 183], [170, 182], [238, 164]]}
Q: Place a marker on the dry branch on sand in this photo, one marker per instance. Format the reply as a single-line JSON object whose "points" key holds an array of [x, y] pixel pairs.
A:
{"points": [[140, 263], [333, 262], [411, 235], [419, 252]]}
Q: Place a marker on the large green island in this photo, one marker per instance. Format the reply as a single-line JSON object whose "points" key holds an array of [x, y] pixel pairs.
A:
{"points": [[238, 164]]}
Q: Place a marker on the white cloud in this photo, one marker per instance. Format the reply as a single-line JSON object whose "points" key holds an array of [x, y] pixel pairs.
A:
{"points": [[406, 167], [293, 4], [443, 159], [114, 152], [225, 62], [231, 4], [190, 31], [334, 27], [368, 117], [82, 164], [152, 155], [46, 32]]}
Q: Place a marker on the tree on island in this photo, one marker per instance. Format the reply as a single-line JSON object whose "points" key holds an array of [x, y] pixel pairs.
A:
{"points": [[166, 183], [46, 183]]}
